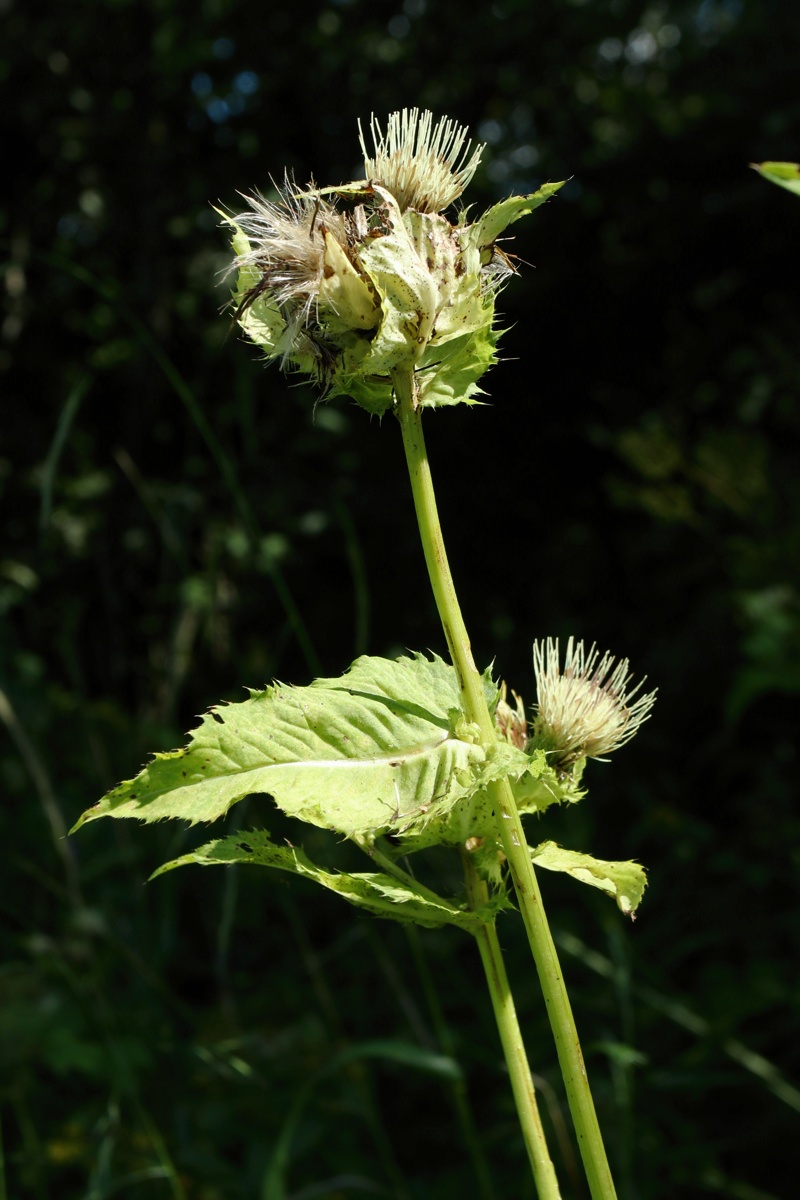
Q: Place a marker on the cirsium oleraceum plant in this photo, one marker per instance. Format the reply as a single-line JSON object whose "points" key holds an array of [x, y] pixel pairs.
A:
{"points": [[371, 290]]}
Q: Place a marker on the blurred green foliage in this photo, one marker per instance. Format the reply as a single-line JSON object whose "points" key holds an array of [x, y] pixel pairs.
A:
{"points": [[179, 522]]}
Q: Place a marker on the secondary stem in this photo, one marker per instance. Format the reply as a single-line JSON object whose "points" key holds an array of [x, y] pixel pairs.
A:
{"points": [[512, 835], [458, 1088], [544, 1175], [542, 1168]]}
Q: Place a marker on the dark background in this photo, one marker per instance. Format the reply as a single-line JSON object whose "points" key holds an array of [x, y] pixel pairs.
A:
{"points": [[178, 521]]}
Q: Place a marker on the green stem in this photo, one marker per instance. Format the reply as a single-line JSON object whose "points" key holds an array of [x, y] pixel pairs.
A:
{"points": [[516, 849], [458, 1087], [544, 1175]]}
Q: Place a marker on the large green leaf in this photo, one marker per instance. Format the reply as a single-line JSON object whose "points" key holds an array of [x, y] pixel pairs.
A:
{"points": [[379, 748], [376, 892], [625, 881], [785, 174]]}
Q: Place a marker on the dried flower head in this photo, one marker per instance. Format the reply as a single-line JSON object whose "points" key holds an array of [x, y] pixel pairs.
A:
{"points": [[299, 294], [424, 166], [586, 709], [352, 284]]}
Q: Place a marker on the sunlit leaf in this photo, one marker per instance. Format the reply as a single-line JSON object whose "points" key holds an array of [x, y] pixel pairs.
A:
{"points": [[375, 749], [785, 174], [625, 881], [376, 892], [488, 228]]}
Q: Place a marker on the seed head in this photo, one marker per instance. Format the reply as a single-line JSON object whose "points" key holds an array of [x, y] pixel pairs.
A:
{"points": [[586, 710], [298, 292], [425, 166]]}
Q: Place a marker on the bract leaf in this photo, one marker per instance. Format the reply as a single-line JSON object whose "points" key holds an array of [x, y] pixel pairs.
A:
{"points": [[344, 292], [372, 750], [625, 881], [472, 816], [378, 893], [785, 174], [505, 761], [488, 228], [407, 292], [261, 321], [542, 786], [455, 269], [449, 373]]}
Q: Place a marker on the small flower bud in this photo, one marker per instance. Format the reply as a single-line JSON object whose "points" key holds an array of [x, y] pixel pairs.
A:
{"points": [[584, 711], [511, 723]]}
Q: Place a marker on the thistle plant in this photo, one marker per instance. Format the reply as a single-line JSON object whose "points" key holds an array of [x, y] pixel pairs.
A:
{"points": [[373, 292]]}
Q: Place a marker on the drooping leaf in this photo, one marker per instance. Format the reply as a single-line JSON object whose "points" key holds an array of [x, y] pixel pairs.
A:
{"points": [[374, 749], [785, 174], [376, 892], [625, 881]]}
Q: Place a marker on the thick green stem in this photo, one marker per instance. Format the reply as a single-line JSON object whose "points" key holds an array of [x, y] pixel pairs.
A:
{"points": [[544, 1174], [512, 835]]}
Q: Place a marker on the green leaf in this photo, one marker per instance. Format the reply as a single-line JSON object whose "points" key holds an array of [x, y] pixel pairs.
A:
{"points": [[488, 228], [373, 750], [785, 174], [379, 894], [625, 881], [449, 373]]}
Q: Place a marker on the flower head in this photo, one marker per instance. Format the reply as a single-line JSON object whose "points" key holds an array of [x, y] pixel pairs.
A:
{"points": [[424, 166], [356, 283], [586, 710]]}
